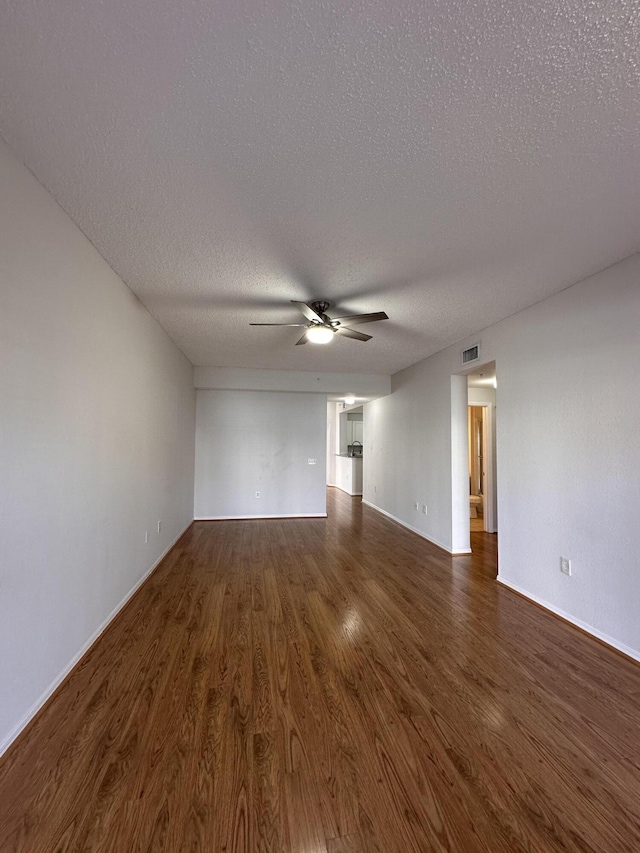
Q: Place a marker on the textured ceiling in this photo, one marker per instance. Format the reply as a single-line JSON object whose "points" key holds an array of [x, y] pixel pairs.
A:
{"points": [[447, 162]]}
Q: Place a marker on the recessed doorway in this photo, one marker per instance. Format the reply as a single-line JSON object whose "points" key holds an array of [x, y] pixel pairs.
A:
{"points": [[481, 389], [476, 430]]}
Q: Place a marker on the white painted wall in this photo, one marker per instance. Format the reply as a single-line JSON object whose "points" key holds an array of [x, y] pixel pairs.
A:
{"points": [[460, 543], [249, 441], [96, 443], [407, 448], [568, 453], [248, 379], [476, 396]]}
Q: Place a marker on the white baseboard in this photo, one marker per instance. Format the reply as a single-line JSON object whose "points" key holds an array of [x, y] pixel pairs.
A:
{"points": [[415, 530], [584, 626], [258, 517], [57, 681]]}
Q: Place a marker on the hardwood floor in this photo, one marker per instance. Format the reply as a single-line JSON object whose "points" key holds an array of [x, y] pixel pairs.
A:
{"points": [[329, 686], [476, 525]]}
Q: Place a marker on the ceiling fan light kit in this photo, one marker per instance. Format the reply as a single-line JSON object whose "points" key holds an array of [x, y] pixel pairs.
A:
{"points": [[321, 329], [319, 334]]}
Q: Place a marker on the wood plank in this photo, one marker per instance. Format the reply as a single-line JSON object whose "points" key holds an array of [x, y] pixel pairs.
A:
{"points": [[330, 685]]}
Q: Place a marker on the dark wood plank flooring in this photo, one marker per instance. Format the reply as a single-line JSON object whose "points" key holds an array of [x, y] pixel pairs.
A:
{"points": [[328, 686]]}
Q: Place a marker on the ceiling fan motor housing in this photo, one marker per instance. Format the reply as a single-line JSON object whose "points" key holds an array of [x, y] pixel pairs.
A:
{"points": [[321, 307]]}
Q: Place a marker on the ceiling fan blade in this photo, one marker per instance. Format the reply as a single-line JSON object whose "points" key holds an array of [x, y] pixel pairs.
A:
{"points": [[296, 325], [308, 311], [303, 340], [361, 318], [351, 333]]}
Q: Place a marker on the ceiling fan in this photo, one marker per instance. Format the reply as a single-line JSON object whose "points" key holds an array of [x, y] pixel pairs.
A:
{"points": [[321, 329]]}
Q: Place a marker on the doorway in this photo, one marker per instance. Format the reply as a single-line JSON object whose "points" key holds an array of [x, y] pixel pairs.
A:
{"points": [[476, 430], [345, 444], [477, 387], [481, 391]]}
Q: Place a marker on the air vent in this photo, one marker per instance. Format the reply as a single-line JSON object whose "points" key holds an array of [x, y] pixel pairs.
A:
{"points": [[471, 354]]}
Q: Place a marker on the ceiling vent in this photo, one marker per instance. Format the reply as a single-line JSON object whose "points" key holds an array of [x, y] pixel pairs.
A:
{"points": [[471, 354]]}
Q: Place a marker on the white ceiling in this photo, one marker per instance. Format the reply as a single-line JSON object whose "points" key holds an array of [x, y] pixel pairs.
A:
{"points": [[447, 162]]}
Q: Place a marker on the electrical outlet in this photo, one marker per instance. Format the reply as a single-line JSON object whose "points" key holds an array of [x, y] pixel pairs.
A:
{"points": [[565, 566], [424, 509], [257, 494], [375, 488], [159, 526], [146, 537], [312, 461], [416, 505]]}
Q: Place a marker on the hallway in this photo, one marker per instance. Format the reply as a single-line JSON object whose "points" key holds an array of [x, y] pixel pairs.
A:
{"points": [[324, 686]]}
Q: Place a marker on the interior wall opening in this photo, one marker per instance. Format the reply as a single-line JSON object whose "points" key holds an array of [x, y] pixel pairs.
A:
{"points": [[482, 392], [476, 462]]}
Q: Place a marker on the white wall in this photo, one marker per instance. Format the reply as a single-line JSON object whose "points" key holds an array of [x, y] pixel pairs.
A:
{"points": [[96, 443], [568, 452], [249, 441], [366, 385], [460, 542], [407, 449], [481, 395]]}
